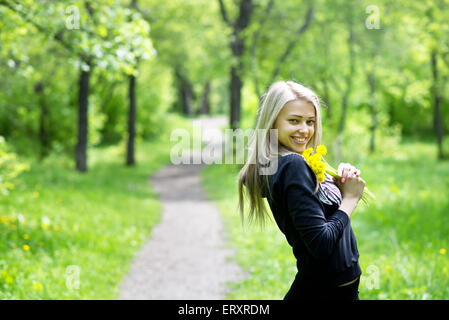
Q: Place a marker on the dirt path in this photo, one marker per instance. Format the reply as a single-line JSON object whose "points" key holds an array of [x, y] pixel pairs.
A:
{"points": [[187, 255]]}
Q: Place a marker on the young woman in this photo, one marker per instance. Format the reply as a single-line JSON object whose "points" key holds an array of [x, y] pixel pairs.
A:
{"points": [[315, 217]]}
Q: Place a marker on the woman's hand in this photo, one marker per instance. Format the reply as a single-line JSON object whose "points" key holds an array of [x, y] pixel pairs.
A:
{"points": [[346, 170], [351, 185]]}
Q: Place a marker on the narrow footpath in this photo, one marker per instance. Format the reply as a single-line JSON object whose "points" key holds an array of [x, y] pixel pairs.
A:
{"points": [[187, 256]]}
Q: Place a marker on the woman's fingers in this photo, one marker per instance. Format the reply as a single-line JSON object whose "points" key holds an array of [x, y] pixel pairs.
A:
{"points": [[346, 170], [340, 168]]}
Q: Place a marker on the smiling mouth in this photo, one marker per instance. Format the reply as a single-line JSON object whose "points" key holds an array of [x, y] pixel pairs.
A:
{"points": [[300, 140]]}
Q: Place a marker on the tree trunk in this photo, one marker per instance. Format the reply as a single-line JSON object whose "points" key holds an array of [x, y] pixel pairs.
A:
{"points": [[237, 48], [185, 90], [130, 160], [326, 93], [346, 95], [438, 125], [235, 88], [43, 121], [205, 106], [83, 102], [372, 105], [326, 98]]}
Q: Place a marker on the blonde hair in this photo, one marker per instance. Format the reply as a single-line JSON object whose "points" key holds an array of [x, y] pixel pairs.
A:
{"points": [[260, 149]]}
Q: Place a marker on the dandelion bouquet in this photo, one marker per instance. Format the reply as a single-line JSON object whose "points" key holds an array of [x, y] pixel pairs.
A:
{"points": [[320, 166]]}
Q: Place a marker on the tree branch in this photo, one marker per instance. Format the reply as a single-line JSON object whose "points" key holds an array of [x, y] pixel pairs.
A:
{"points": [[57, 36], [224, 13], [309, 16], [256, 37], [245, 10]]}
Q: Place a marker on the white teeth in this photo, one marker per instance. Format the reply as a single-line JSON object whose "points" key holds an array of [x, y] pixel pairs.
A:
{"points": [[299, 139]]}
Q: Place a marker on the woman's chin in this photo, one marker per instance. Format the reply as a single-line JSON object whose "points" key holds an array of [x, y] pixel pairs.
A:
{"points": [[298, 149]]}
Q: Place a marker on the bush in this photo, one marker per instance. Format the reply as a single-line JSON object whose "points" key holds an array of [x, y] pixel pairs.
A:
{"points": [[10, 168]]}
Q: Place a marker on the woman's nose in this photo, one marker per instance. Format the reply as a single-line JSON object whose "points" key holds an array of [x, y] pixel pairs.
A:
{"points": [[302, 128]]}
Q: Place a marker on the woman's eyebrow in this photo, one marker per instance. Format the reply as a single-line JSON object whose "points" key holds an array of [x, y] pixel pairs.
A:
{"points": [[296, 115]]}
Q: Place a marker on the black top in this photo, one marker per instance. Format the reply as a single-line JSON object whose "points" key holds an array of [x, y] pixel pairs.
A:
{"points": [[320, 234]]}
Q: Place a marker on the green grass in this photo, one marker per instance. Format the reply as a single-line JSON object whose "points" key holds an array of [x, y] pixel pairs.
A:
{"points": [[402, 238], [68, 235]]}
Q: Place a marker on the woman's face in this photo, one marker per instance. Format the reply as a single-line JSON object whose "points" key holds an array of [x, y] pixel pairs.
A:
{"points": [[296, 124]]}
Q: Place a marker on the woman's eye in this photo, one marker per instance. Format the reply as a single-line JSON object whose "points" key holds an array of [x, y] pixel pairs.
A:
{"points": [[293, 120], [310, 122]]}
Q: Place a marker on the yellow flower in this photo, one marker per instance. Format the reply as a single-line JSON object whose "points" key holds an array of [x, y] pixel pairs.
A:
{"points": [[26, 247], [321, 149], [388, 268], [443, 251], [315, 161], [320, 167], [56, 228], [306, 153], [26, 237]]}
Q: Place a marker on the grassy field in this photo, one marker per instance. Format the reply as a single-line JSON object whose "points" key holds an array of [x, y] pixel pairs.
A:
{"points": [[403, 237], [66, 235]]}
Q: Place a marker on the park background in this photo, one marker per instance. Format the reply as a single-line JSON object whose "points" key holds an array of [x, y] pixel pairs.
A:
{"points": [[91, 90]]}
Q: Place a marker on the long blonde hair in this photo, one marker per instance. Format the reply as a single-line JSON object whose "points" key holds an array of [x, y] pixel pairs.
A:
{"points": [[260, 147]]}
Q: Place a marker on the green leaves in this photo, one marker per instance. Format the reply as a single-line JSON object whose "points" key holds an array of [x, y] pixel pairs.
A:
{"points": [[10, 168]]}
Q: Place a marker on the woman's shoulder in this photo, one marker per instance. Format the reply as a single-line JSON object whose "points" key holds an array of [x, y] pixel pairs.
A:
{"points": [[293, 170], [292, 164], [293, 159]]}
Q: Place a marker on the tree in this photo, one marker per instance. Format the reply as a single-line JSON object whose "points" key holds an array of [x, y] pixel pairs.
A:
{"points": [[99, 42], [237, 45]]}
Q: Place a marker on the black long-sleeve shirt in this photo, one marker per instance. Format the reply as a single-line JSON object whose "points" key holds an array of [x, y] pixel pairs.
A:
{"points": [[320, 234]]}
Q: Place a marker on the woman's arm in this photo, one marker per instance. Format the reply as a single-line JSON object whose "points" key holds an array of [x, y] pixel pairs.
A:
{"points": [[348, 205], [306, 211]]}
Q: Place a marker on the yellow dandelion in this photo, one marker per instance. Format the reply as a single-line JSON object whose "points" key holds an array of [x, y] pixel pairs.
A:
{"points": [[321, 149], [26, 247], [388, 268], [13, 227], [315, 162], [36, 194], [321, 177], [443, 251], [306, 153], [56, 228], [26, 237]]}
